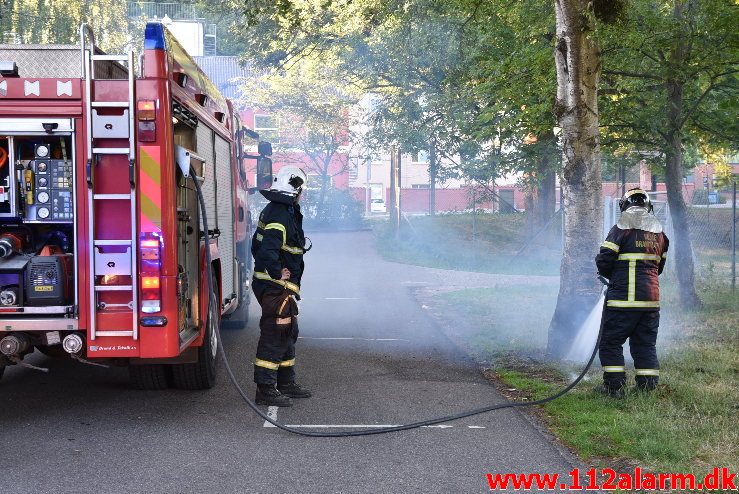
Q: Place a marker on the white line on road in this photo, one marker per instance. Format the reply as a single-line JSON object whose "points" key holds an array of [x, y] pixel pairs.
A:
{"points": [[271, 413], [348, 338]]}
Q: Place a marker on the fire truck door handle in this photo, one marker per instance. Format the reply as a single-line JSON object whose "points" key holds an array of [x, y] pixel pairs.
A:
{"points": [[131, 175], [89, 173]]}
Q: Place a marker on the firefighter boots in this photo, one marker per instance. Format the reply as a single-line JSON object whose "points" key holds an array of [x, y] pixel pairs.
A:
{"points": [[612, 391], [294, 390], [267, 394], [646, 383]]}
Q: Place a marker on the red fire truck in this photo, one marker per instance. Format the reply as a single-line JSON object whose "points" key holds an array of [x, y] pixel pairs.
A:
{"points": [[101, 239]]}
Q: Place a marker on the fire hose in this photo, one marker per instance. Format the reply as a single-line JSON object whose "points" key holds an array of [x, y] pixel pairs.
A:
{"points": [[364, 432]]}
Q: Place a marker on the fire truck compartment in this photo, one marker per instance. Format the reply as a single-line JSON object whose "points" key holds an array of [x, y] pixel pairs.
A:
{"points": [[37, 224]]}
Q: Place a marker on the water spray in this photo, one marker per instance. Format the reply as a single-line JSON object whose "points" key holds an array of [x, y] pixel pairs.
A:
{"points": [[364, 432], [588, 331]]}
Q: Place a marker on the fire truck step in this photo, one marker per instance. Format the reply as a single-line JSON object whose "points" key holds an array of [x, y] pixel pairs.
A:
{"points": [[113, 288], [110, 104], [112, 242], [110, 58], [110, 150], [112, 196], [128, 334]]}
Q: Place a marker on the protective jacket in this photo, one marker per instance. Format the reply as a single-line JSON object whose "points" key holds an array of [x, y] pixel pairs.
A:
{"points": [[632, 257], [278, 243]]}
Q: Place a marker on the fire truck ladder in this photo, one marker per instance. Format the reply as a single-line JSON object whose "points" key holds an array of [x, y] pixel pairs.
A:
{"points": [[98, 132]]}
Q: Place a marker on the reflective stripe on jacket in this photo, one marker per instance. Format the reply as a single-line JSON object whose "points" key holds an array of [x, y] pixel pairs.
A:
{"points": [[632, 260], [278, 243]]}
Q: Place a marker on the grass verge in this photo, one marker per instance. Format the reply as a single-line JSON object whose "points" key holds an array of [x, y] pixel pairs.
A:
{"points": [[688, 425], [488, 243]]}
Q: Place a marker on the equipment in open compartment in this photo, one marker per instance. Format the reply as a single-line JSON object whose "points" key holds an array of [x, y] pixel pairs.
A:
{"points": [[49, 280], [36, 179], [48, 190], [12, 274], [7, 180]]}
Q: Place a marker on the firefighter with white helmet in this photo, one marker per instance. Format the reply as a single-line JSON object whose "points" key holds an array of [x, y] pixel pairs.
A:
{"points": [[632, 258], [278, 246]]}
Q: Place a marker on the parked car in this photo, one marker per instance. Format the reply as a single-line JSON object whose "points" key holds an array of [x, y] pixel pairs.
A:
{"points": [[378, 206]]}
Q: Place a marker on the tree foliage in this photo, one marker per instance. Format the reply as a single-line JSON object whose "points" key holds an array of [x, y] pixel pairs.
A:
{"points": [[473, 79], [670, 75], [58, 21], [315, 119]]}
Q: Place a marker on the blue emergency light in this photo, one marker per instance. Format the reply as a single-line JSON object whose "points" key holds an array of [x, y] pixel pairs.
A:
{"points": [[154, 36]]}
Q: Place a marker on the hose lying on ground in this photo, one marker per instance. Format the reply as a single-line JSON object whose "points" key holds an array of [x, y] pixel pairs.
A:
{"points": [[364, 432]]}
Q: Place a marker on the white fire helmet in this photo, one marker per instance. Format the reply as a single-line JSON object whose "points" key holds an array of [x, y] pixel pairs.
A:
{"points": [[290, 180]]}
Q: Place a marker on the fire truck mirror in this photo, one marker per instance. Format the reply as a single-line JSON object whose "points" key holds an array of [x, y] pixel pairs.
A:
{"points": [[250, 134], [264, 173], [264, 148]]}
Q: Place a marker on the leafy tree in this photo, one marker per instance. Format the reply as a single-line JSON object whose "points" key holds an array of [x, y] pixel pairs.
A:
{"points": [[314, 116], [509, 47], [722, 169], [670, 77], [58, 21]]}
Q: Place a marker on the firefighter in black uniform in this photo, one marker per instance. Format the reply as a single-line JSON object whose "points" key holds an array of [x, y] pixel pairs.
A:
{"points": [[278, 245], [632, 258]]}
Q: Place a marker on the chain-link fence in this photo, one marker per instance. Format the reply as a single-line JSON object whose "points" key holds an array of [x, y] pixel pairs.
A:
{"points": [[711, 229], [173, 10]]}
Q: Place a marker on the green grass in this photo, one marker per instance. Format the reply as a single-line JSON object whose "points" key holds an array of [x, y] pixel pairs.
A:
{"points": [[447, 241], [503, 327], [688, 425]]}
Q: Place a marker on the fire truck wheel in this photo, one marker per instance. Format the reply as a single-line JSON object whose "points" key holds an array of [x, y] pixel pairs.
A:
{"points": [[2, 370], [148, 377], [202, 374]]}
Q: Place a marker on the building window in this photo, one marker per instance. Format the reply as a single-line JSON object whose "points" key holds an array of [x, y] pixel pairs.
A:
{"points": [[268, 128], [420, 158]]}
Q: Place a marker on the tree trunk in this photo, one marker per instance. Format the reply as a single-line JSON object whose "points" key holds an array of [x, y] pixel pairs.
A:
{"points": [[540, 199], [321, 209], [577, 59], [433, 171], [393, 199], [681, 245]]}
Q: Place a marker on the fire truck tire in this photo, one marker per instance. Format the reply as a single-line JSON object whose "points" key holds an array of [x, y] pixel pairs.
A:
{"points": [[2, 370], [148, 377], [201, 374]]}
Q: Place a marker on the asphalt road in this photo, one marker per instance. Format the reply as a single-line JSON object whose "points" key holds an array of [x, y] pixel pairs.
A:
{"points": [[368, 350]]}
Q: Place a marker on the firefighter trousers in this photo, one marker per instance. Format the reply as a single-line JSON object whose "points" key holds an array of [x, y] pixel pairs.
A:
{"points": [[275, 360], [640, 328]]}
